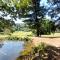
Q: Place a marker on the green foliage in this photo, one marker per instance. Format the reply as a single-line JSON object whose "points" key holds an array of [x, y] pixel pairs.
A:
{"points": [[22, 9], [40, 47], [24, 36], [47, 27], [19, 38], [18, 4], [30, 51], [23, 4], [6, 25], [52, 12], [28, 48]]}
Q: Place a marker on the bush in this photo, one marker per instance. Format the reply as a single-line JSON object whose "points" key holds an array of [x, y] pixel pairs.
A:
{"points": [[30, 51]]}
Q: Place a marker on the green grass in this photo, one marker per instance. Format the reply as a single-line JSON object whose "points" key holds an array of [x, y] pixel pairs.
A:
{"points": [[17, 35], [56, 35]]}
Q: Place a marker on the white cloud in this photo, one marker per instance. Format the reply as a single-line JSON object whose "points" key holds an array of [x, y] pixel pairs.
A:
{"points": [[19, 21], [48, 17]]}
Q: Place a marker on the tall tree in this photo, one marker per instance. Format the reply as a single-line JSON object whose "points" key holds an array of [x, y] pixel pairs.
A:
{"points": [[37, 12], [37, 16], [26, 9]]}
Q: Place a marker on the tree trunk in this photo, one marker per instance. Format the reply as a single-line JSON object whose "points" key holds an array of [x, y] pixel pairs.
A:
{"points": [[37, 32], [40, 34], [36, 7]]}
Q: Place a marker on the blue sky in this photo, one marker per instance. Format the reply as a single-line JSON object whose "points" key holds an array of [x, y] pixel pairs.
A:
{"points": [[43, 2]]}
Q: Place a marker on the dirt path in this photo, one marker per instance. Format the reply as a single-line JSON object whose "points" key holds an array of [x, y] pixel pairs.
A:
{"points": [[50, 41]]}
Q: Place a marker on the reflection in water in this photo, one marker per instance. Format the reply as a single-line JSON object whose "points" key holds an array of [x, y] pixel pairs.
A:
{"points": [[10, 50], [1, 45]]}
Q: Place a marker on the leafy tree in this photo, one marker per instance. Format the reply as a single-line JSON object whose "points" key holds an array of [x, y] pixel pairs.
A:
{"points": [[46, 26], [25, 9], [54, 10], [22, 9], [37, 15]]}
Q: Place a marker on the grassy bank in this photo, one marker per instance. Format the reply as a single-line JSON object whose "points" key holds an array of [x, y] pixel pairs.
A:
{"points": [[40, 52], [17, 35]]}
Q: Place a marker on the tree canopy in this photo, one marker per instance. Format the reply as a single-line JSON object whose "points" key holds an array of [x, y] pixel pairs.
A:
{"points": [[30, 9], [54, 9], [6, 24]]}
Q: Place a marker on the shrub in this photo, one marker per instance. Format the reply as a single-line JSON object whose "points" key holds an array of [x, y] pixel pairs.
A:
{"points": [[30, 51]]}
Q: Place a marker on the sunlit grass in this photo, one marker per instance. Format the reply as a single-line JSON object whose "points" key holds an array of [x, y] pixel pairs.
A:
{"points": [[28, 48], [3, 37], [52, 35], [21, 34], [17, 35], [30, 51]]}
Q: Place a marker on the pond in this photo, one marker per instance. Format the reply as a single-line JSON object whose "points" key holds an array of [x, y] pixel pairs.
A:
{"points": [[10, 50]]}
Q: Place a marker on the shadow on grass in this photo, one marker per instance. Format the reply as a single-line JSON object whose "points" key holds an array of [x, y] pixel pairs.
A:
{"points": [[50, 53]]}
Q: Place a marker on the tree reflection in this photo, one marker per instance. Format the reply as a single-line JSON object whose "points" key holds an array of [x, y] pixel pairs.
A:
{"points": [[1, 44]]}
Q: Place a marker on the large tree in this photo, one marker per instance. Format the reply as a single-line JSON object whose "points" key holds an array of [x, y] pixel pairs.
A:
{"points": [[25, 9], [36, 16]]}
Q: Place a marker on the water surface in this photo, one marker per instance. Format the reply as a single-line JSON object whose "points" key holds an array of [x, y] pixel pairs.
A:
{"points": [[10, 50]]}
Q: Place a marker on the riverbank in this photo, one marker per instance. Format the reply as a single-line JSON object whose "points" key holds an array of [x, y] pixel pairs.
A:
{"points": [[17, 35]]}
